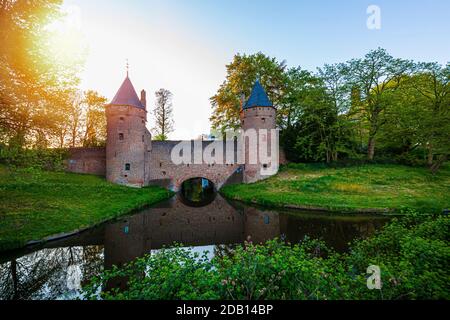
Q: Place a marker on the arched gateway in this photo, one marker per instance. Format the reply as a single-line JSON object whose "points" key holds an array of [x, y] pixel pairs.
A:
{"points": [[131, 157]]}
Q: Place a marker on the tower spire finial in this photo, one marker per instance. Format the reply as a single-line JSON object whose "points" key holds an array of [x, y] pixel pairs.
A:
{"points": [[128, 68]]}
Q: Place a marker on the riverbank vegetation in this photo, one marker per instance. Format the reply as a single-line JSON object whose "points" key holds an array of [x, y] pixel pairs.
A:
{"points": [[305, 271], [35, 204], [370, 187]]}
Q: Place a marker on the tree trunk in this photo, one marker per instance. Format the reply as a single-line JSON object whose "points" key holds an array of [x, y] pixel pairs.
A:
{"points": [[435, 167], [430, 157], [374, 126], [371, 148], [335, 156]]}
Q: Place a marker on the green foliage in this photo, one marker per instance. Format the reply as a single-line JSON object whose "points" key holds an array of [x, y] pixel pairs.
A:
{"points": [[35, 204], [95, 122], [376, 107], [40, 159], [169, 274], [419, 123], [413, 258], [313, 130], [242, 73], [413, 254], [160, 137], [371, 78]]}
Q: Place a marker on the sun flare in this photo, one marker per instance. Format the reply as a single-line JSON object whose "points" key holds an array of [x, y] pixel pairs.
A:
{"points": [[66, 43]]}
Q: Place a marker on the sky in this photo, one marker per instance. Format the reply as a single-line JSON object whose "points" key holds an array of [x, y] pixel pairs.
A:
{"points": [[184, 45]]}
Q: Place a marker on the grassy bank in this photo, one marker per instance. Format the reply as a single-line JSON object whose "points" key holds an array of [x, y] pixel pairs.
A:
{"points": [[357, 188], [36, 204]]}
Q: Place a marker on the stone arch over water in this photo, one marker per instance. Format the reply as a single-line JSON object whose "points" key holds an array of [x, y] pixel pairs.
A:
{"points": [[197, 192]]}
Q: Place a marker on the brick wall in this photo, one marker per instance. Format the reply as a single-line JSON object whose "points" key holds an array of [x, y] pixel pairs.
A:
{"points": [[160, 169], [87, 160]]}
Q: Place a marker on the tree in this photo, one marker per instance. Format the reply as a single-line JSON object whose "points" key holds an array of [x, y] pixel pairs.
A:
{"points": [[242, 73], [68, 111], [433, 85], [334, 79], [343, 102], [299, 85], [75, 117], [424, 111], [95, 122], [312, 121], [374, 75], [81, 119], [163, 114], [31, 82], [417, 117]]}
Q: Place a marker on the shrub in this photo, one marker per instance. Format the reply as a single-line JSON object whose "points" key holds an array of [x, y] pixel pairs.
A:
{"points": [[43, 159], [413, 254]]}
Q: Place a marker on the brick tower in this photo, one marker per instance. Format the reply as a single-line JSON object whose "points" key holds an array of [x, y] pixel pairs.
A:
{"points": [[128, 143], [258, 113]]}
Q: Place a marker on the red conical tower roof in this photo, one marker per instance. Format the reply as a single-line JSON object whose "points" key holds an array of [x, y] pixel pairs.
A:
{"points": [[127, 96]]}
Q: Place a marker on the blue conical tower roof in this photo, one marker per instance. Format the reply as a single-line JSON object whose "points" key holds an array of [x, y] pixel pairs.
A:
{"points": [[127, 96], [258, 98]]}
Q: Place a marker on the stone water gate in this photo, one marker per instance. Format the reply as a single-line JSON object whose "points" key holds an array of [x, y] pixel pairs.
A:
{"points": [[131, 157], [165, 173]]}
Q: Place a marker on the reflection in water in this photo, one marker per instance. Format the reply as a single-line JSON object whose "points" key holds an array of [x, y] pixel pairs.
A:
{"points": [[61, 267], [197, 192], [49, 273]]}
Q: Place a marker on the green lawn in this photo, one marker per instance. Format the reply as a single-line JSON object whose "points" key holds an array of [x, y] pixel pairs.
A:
{"points": [[357, 188], [35, 205]]}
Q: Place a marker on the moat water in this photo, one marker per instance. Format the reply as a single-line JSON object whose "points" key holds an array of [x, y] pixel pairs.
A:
{"points": [[57, 270]]}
